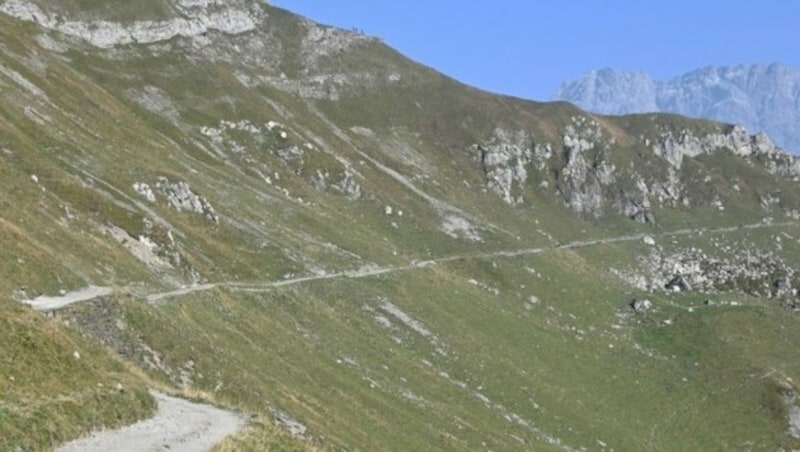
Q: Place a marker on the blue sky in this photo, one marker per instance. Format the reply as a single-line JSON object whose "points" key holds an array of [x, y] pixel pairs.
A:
{"points": [[527, 48]]}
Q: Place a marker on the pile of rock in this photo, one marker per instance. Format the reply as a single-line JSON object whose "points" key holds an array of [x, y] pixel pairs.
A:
{"points": [[641, 306], [755, 272], [180, 197]]}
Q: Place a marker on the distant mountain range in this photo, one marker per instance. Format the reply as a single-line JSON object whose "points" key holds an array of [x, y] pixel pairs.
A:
{"points": [[760, 97]]}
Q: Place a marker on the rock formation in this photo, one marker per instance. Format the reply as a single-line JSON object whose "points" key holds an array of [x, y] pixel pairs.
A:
{"points": [[193, 18]]}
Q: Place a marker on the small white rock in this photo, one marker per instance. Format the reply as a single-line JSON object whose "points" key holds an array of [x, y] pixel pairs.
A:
{"points": [[76, 355], [35, 178]]}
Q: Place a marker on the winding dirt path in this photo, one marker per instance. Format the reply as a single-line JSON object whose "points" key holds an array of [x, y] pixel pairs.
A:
{"points": [[48, 303], [179, 425], [51, 303], [375, 271]]}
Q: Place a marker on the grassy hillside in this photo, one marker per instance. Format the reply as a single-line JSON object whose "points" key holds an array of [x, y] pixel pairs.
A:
{"points": [[57, 385], [351, 362], [303, 225]]}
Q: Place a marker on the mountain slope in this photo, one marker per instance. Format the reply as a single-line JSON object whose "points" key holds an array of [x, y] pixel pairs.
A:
{"points": [[760, 97], [57, 385], [308, 227]]}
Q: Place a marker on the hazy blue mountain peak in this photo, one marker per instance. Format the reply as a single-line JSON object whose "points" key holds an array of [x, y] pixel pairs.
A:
{"points": [[762, 97]]}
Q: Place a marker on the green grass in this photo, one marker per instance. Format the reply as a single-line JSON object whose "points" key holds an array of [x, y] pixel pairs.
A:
{"points": [[723, 353], [263, 434], [570, 367], [48, 394], [317, 352]]}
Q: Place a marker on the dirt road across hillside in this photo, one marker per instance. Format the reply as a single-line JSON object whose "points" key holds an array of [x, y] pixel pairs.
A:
{"points": [[375, 271], [51, 303], [48, 303], [179, 425]]}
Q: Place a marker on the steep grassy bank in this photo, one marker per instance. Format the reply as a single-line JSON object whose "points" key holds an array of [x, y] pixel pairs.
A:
{"points": [[56, 385]]}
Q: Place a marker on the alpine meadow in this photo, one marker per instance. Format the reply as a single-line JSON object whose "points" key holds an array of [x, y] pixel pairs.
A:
{"points": [[343, 249]]}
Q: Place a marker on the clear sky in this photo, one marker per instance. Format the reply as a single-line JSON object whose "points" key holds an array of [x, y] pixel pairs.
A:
{"points": [[528, 47]]}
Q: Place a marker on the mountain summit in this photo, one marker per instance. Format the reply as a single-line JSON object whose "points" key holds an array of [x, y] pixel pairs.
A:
{"points": [[760, 97]]}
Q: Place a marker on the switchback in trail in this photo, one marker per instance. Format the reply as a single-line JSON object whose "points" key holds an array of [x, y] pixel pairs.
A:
{"points": [[179, 425]]}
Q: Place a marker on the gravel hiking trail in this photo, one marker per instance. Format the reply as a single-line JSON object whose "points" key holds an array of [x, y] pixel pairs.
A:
{"points": [[48, 303], [179, 425], [92, 292]]}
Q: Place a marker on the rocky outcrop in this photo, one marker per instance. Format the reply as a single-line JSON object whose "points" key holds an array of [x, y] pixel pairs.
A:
{"points": [[348, 186], [505, 159], [785, 165], [678, 284], [752, 271], [193, 18], [668, 191], [757, 149], [144, 190], [508, 158], [674, 147], [641, 306], [640, 212], [180, 197], [590, 184], [585, 174], [789, 395]]}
